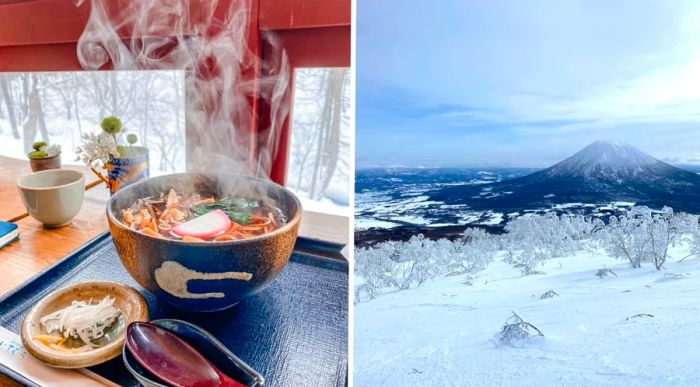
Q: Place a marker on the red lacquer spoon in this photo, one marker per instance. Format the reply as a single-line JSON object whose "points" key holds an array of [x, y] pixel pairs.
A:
{"points": [[171, 359]]}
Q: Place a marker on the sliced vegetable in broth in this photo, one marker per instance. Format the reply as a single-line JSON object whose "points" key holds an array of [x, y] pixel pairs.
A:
{"points": [[157, 216], [236, 209]]}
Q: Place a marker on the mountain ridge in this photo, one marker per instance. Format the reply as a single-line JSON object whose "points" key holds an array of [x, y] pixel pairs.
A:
{"points": [[603, 171]]}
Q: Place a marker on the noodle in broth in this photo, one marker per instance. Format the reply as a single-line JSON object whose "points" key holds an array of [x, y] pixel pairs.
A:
{"points": [[158, 215]]}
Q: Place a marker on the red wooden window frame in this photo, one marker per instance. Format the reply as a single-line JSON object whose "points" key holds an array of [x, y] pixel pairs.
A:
{"points": [[41, 35]]}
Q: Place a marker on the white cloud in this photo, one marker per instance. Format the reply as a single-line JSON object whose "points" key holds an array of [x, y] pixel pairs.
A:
{"points": [[548, 76]]}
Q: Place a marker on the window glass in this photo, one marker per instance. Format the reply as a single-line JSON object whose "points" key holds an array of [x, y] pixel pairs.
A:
{"points": [[318, 164], [59, 107]]}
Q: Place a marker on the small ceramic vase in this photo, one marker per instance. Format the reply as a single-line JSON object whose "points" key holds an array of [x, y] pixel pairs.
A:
{"points": [[122, 171], [44, 163]]}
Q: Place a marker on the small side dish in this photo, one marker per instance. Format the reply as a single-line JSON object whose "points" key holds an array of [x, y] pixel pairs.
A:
{"points": [[83, 324]]}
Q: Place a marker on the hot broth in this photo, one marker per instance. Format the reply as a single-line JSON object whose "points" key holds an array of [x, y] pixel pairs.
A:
{"points": [[162, 215]]}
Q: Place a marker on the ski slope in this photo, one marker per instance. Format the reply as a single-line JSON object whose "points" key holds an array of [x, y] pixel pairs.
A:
{"points": [[443, 333]]}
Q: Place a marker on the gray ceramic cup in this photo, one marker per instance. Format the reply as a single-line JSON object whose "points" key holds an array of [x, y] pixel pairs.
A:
{"points": [[53, 197]]}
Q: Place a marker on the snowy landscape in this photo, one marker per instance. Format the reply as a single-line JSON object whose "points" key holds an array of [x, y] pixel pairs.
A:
{"points": [[528, 195], [615, 303], [602, 179], [445, 333], [387, 198], [550, 292]]}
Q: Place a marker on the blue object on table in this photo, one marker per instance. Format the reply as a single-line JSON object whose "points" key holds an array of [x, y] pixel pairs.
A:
{"points": [[294, 332], [8, 233]]}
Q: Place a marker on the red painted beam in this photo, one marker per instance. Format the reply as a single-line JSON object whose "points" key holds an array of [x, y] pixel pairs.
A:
{"points": [[317, 47], [294, 14], [312, 47], [44, 57], [61, 21], [42, 22]]}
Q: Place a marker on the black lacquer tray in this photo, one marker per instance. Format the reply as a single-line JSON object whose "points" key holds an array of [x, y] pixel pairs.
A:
{"points": [[294, 332]]}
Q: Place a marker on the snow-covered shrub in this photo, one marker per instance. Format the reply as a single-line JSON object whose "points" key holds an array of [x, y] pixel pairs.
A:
{"points": [[416, 262], [472, 254], [664, 230], [692, 229], [625, 236], [529, 259], [643, 235], [640, 235], [523, 243], [398, 265], [532, 239], [405, 265], [373, 267], [516, 330], [451, 257], [640, 315], [549, 294], [602, 273], [468, 280]]}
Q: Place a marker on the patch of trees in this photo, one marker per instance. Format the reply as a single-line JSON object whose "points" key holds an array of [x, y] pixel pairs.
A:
{"points": [[405, 265], [640, 236], [643, 235]]}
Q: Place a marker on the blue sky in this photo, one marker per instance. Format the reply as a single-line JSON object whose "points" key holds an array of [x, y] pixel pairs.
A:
{"points": [[524, 83]]}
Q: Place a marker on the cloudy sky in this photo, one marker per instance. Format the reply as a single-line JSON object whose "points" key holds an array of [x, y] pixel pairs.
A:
{"points": [[525, 83]]}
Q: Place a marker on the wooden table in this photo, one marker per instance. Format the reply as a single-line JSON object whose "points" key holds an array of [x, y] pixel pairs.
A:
{"points": [[37, 246]]}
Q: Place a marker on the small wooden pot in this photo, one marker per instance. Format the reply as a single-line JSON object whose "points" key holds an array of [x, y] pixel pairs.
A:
{"points": [[44, 163]]}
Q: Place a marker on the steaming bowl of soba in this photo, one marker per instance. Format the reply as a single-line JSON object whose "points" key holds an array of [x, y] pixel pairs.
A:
{"points": [[204, 241]]}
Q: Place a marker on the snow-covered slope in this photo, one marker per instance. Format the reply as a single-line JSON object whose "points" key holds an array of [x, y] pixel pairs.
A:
{"points": [[442, 334]]}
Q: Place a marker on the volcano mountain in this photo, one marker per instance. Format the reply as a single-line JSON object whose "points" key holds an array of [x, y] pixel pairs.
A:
{"points": [[601, 172]]}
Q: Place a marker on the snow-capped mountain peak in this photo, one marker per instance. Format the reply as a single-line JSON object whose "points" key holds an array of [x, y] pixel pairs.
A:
{"points": [[601, 172], [610, 160]]}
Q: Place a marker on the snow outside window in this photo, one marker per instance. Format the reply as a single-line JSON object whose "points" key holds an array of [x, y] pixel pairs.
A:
{"points": [[59, 107], [318, 166]]}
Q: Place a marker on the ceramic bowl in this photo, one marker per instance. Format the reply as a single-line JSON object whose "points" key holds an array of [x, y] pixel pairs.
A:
{"points": [[204, 276], [206, 344], [53, 197], [128, 300]]}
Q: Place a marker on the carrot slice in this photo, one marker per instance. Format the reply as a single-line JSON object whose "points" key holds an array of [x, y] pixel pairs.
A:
{"points": [[149, 231]]}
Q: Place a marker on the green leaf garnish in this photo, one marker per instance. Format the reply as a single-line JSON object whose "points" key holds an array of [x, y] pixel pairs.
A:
{"points": [[238, 217], [235, 208]]}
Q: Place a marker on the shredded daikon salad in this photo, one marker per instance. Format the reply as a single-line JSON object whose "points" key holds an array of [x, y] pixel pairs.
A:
{"points": [[81, 320]]}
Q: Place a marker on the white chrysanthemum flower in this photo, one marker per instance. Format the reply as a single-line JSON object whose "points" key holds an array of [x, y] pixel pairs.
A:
{"points": [[97, 147], [53, 150]]}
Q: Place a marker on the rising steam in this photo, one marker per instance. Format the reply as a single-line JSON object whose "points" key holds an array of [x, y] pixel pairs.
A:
{"points": [[219, 69]]}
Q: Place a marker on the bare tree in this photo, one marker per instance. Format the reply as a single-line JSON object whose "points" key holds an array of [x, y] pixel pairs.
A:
{"points": [[320, 142], [7, 97], [331, 153], [35, 116]]}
